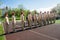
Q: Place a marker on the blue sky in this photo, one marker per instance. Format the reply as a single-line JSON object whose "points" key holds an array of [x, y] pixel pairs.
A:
{"points": [[30, 4]]}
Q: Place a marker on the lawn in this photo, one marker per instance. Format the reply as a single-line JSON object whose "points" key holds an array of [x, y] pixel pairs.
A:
{"points": [[58, 21], [1, 30]]}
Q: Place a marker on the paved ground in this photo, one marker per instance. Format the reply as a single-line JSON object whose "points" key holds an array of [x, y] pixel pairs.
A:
{"points": [[49, 32]]}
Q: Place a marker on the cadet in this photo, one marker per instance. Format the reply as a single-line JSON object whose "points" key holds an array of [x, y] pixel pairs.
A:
{"points": [[44, 18], [47, 14], [53, 17], [22, 20], [30, 19], [13, 21], [40, 18], [35, 18], [50, 15], [6, 22]]}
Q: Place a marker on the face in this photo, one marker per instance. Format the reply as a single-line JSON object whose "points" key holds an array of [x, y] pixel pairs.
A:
{"points": [[13, 13], [6, 14]]}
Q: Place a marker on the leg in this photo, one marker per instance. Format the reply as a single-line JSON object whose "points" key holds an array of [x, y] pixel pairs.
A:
{"points": [[53, 20], [7, 27], [23, 25], [47, 21], [40, 22], [14, 27], [35, 22], [44, 22]]}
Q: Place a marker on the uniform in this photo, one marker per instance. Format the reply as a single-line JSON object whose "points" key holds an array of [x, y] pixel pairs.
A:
{"points": [[13, 22], [47, 18], [43, 19], [53, 17], [30, 20], [35, 19], [40, 19], [22, 21], [7, 24], [50, 15]]}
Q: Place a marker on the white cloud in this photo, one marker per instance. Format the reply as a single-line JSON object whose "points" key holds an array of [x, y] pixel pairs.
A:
{"points": [[44, 9]]}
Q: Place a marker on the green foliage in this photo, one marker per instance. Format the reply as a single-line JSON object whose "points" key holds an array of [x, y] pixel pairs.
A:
{"points": [[1, 32], [56, 9], [0, 12]]}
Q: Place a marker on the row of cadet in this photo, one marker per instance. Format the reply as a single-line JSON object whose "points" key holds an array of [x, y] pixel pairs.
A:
{"points": [[38, 19]]}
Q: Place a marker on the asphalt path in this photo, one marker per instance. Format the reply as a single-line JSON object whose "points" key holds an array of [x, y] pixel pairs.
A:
{"points": [[48, 32]]}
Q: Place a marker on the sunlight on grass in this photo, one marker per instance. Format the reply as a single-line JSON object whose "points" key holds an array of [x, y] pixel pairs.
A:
{"points": [[58, 21]]}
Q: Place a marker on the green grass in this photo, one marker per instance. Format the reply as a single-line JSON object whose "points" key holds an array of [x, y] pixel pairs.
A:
{"points": [[1, 32], [58, 21]]}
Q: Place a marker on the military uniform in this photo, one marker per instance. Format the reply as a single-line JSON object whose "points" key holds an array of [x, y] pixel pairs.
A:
{"points": [[22, 21], [35, 20], [13, 23], [50, 15], [47, 17], [30, 20], [53, 17], [7, 24], [43, 19], [40, 19]]}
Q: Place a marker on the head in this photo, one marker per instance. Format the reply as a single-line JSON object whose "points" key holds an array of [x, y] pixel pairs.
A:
{"points": [[13, 13], [6, 14], [45, 12], [40, 12], [22, 12], [50, 12], [35, 12], [29, 12]]}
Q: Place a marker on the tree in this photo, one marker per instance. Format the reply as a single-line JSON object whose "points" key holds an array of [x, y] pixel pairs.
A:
{"points": [[57, 9], [0, 9]]}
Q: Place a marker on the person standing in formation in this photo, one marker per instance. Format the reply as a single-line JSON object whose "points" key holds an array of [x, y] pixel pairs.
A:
{"points": [[47, 17], [50, 17], [35, 18], [30, 19], [6, 22], [22, 20], [53, 17], [13, 21], [40, 18], [44, 18]]}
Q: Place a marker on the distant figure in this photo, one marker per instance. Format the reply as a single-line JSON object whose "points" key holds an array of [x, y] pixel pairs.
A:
{"points": [[22, 20], [54, 17], [30, 19], [44, 18], [6, 22], [13, 21], [35, 18], [51, 16], [40, 18], [47, 17]]}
